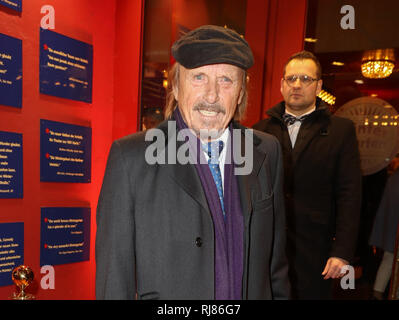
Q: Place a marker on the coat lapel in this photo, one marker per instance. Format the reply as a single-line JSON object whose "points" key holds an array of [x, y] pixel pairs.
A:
{"points": [[313, 126], [185, 175], [310, 129], [245, 187], [246, 182]]}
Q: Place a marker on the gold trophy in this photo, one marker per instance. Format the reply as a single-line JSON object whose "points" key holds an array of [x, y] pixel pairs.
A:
{"points": [[22, 277]]}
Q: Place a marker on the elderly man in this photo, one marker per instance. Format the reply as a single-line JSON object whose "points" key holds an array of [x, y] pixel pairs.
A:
{"points": [[172, 229], [322, 179]]}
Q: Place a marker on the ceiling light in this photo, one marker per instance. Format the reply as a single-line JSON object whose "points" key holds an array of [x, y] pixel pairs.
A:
{"points": [[378, 64], [337, 63], [327, 97]]}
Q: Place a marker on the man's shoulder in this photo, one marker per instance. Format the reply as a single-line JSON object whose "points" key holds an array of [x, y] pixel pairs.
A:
{"points": [[267, 142], [264, 136], [259, 135], [343, 125], [141, 140], [341, 120], [273, 117], [132, 141], [261, 125]]}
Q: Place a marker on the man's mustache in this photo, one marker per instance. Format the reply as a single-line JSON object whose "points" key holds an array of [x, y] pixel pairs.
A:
{"points": [[209, 107]]}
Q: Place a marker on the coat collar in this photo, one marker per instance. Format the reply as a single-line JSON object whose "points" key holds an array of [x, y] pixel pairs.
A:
{"points": [[186, 177], [278, 110], [315, 125]]}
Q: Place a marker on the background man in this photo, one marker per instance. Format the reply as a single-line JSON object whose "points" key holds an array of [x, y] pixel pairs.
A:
{"points": [[195, 231], [322, 179], [384, 233]]}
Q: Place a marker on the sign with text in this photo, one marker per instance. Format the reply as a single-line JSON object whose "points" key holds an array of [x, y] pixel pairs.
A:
{"points": [[66, 67], [12, 4], [11, 165], [64, 235], [11, 250], [65, 152], [10, 71]]}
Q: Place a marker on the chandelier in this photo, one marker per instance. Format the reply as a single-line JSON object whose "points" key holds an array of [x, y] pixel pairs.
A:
{"points": [[378, 64]]}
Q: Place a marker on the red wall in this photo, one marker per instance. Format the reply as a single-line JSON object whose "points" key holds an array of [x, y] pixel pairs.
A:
{"points": [[275, 30], [128, 55], [94, 22]]}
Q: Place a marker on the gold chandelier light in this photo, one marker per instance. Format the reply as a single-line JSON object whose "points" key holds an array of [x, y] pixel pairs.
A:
{"points": [[378, 64]]}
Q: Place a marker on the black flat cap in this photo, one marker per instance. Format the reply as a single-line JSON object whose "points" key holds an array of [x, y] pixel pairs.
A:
{"points": [[212, 44]]}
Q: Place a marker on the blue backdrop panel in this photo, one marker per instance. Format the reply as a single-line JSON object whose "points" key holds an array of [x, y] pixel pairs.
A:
{"points": [[11, 165], [12, 4], [64, 235], [65, 152], [10, 71], [66, 67], [11, 250]]}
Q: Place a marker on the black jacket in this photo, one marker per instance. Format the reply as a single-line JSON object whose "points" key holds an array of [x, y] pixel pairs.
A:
{"points": [[322, 189], [386, 221]]}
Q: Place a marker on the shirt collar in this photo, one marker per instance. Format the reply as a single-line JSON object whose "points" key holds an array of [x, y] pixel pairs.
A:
{"points": [[309, 112], [224, 137]]}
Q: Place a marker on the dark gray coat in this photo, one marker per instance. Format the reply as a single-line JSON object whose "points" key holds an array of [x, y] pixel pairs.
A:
{"points": [[322, 194], [155, 235], [386, 221]]}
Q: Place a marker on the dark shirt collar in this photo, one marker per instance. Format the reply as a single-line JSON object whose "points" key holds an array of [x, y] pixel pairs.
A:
{"points": [[279, 109]]}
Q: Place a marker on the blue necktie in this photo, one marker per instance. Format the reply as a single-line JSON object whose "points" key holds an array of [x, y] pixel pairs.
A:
{"points": [[214, 149]]}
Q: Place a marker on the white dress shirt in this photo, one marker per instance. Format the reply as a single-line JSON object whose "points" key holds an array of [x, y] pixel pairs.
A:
{"points": [[293, 129]]}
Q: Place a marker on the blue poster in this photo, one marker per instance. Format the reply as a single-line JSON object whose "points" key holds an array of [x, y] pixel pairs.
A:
{"points": [[11, 250], [12, 4], [10, 71], [64, 235], [11, 165], [65, 152], [66, 67]]}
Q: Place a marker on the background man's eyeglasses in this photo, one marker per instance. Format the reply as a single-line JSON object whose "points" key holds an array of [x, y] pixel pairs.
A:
{"points": [[305, 80]]}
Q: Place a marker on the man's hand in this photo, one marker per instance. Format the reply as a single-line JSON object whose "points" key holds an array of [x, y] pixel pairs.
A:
{"points": [[333, 268]]}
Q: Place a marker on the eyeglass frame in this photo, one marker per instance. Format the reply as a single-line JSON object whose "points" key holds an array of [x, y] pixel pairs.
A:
{"points": [[301, 80]]}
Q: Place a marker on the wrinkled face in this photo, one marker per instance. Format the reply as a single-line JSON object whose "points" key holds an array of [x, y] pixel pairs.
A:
{"points": [[300, 97], [208, 96]]}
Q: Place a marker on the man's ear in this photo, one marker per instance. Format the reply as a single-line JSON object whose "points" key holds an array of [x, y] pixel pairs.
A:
{"points": [[319, 86], [241, 95]]}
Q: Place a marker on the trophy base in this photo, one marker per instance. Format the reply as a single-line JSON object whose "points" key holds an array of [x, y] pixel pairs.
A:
{"points": [[25, 296]]}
